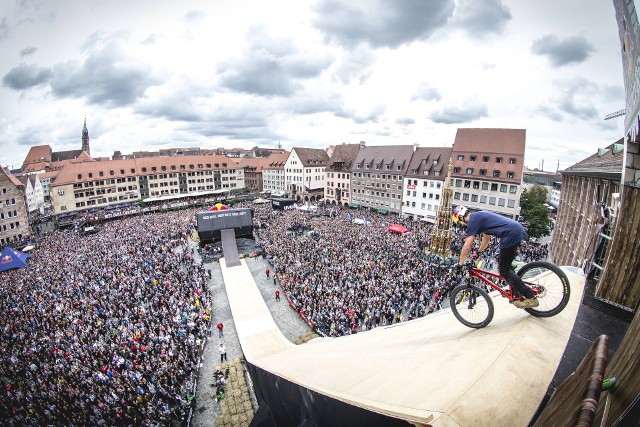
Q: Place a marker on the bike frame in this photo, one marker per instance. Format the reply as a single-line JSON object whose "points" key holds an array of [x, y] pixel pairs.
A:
{"points": [[482, 275]]}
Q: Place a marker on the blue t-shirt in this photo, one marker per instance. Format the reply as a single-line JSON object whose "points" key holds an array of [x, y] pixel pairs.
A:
{"points": [[509, 231]]}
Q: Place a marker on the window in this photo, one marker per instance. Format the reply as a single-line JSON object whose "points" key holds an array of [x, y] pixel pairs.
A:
{"points": [[101, 173], [485, 158], [476, 185], [513, 189], [483, 172], [496, 173], [460, 157], [90, 175], [503, 188], [498, 159], [494, 187], [469, 171], [467, 183], [485, 185], [492, 200], [458, 183], [465, 197], [483, 200], [456, 195], [512, 160], [456, 170], [501, 202], [510, 175], [474, 198], [144, 169], [511, 203], [473, 158]]}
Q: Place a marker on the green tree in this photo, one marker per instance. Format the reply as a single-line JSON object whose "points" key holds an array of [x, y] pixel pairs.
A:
{"points": [[534, 211]]}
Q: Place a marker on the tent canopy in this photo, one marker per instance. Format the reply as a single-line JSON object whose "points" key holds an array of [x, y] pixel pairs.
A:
{"points": [[11, 258], [398, 228]]}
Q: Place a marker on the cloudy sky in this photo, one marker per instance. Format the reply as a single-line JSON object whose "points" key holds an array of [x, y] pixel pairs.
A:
{"points": [[151, 74]]}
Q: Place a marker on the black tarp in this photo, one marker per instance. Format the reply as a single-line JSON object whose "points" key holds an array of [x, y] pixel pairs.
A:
{"points": [[283, 204], [283, 404], [211, 223]]}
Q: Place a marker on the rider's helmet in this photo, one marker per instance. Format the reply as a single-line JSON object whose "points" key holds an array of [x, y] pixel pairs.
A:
{"points": [[458, 213]]}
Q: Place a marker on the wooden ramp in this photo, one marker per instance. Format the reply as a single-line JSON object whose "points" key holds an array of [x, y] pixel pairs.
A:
{"points": [[229, 247], [431, 370]]}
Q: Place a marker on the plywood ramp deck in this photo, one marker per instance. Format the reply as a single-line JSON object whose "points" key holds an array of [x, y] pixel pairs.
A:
{"points": [[430, 370]]}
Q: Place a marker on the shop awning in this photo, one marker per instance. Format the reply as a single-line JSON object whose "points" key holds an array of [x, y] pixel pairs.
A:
{"points": [[383, 211], [354, 205]]}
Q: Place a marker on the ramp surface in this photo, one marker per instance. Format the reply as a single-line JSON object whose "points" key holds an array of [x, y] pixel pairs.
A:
{"points": [[229, 247], [431, 370]]}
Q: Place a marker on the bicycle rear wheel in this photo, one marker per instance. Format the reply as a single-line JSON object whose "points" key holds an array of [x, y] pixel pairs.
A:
{"points": [[471, 305], [550, 284]]}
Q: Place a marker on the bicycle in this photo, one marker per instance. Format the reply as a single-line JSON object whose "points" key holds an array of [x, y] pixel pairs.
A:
{"points": [[473, 307]]}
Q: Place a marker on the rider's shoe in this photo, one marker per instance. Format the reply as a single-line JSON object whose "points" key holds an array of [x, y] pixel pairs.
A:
{"points": [[527, 303]]}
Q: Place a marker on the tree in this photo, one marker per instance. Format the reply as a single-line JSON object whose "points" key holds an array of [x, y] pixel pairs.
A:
{"points": [[534, 211]]}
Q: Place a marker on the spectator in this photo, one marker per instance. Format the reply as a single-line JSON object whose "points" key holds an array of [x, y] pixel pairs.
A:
{"points": [[223, 353], [220, 326]]}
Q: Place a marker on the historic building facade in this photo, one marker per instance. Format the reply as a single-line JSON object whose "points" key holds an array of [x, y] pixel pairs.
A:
{"points": [[487, 169], [424, 182]]}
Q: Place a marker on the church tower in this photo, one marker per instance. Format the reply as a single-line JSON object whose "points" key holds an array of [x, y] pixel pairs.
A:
{"points": [[85, 138], [442, 234]]}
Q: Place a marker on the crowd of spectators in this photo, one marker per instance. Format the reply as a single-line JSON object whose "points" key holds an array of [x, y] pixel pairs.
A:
{"points": [[344, 277], [104, 329]]}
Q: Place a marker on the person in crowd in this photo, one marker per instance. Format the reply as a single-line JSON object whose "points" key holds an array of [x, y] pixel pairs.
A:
{"points": [[511, 234]]}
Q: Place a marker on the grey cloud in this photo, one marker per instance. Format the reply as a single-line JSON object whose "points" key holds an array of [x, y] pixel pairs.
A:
{"points": [[549, 112], [172, 110], [28, 51], [26, 76], [356, 67], [258, 75], [562, 52], [194, 16], [4, 28], [108, 76], [577, 98], [481, 18], [457, 115], [238, 124], [270, 66], [371, 117], [426, 92], [381, 23], [405, 121]]}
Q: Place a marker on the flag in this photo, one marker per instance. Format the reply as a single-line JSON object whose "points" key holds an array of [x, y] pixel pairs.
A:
{"points": [[350, 217], [364, 218]]}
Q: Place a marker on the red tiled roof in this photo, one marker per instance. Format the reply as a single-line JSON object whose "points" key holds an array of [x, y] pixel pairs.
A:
{"points": [[80, 171], [604, 162], [38, 154]]}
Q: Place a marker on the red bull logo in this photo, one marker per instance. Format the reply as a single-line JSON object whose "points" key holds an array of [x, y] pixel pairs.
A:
{"points": [[5, 259]]}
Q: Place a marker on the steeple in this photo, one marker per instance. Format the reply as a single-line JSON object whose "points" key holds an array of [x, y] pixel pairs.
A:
{"points": [[443, 233], [85, 138]]}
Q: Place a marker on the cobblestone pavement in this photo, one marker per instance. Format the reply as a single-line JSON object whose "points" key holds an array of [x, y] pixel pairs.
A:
{"points": [[232, 411]]}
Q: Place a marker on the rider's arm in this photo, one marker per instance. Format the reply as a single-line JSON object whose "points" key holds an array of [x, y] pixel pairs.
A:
{"points": [[466, 249], [486, 239]]}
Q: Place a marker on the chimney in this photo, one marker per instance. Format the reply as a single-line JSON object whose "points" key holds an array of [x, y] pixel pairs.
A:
{"points": [[362, 144]]}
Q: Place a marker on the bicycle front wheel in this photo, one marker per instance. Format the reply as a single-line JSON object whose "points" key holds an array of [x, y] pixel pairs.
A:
{"points": [[471, 305], [551, 286]]}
